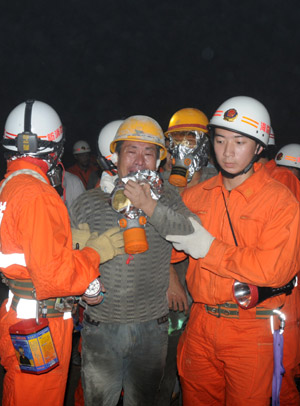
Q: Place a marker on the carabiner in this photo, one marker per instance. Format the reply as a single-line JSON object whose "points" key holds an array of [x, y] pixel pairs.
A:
{"points": [[282, 319]]}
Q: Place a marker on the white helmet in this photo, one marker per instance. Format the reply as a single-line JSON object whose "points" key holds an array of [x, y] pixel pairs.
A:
{"points": [[33, 128], [106, 136], [271, 137], [243, 115], [81, 147], [289, 155]]}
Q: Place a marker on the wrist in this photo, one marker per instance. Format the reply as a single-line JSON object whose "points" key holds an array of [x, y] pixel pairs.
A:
{"points": [[149, 207]]}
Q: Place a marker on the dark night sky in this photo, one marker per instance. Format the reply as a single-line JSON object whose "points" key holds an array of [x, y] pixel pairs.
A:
{"points": [[96, 61]]}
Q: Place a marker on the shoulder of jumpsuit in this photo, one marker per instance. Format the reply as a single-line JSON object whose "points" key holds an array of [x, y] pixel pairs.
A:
{"points": [[190, 195], [264, 183], [270, 165], [19, 164], [260, 183], [287, 178], [73, 169], [248, 189], [23, 188], [83, 207]]}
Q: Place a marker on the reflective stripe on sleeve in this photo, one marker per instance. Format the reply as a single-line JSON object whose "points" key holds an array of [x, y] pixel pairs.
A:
{"points": [[11, 259]]}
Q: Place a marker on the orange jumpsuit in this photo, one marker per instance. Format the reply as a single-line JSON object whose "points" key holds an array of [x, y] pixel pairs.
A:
{"points": [[289, 395], [35, 225], [229, 360], [82, 175]]}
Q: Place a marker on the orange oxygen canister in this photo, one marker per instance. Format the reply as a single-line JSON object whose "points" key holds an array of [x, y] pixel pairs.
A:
{"points": [[34, 346], [135, 240], [178, 180]]}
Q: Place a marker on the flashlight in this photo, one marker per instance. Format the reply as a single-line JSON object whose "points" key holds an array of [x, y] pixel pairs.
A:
{"points": [[248, 296]]}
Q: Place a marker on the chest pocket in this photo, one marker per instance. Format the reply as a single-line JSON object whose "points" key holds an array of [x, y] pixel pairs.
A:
{"points": [[248, 230]]}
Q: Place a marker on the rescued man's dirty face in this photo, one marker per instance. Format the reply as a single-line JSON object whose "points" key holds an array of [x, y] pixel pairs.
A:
{"points": [[136, 155]]}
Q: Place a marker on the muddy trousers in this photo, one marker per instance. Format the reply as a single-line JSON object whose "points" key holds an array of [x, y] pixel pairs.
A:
{"points": [[129, 356]]}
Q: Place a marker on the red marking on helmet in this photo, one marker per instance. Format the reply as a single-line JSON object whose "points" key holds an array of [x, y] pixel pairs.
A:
{"points": [[10, 134], [203, 127]]}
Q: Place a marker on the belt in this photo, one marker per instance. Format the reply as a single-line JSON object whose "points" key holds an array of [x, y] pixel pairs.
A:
{"points": [[231, 310], [162, 319], [24, 289], [91, 321]]}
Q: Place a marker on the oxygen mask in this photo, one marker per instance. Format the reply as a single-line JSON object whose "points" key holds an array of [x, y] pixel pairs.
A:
{"points": [[190, 151]]}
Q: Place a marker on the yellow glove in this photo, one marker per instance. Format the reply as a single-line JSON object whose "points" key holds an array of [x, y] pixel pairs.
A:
{"points": [[108, 244], [80, 235]]}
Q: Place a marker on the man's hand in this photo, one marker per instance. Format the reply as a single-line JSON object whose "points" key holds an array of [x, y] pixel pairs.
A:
{"points": [[176, 294], [140, 196], [108, 244], [80, 235], [196, 244]]}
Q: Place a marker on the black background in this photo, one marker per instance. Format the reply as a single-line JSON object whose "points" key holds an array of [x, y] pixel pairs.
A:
{"points": [[97, 61]]}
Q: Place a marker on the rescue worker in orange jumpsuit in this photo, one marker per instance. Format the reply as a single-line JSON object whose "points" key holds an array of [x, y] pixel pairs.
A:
{"points": [[249, 233], [284, 168], [84, 167], [36, 256], [288, 157]]}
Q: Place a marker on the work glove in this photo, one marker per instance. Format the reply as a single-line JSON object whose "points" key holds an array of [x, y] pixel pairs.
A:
{"points": [[196, 244], [80, 235], [107, 182], [108, 244]]}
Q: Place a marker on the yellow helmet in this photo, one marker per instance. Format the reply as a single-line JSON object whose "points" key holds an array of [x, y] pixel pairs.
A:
{"points": [[143, 129], [188, 119]]}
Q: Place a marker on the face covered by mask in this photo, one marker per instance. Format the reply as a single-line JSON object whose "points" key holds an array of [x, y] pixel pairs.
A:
{"points": [[190, 152], [131, 219]]}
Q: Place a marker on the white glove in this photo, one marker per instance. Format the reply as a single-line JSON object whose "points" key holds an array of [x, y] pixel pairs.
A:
{"points": [[107, 182], [196, 244]]}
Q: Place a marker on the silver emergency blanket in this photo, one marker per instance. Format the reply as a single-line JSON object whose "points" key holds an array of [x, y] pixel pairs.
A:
{"points": [[121, 204]]}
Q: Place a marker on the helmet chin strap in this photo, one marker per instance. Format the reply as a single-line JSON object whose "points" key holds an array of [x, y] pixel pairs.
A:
{"points": [[243, 171]]}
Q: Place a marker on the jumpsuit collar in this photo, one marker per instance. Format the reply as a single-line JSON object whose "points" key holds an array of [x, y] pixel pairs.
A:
{"points": [[19, 164], [249, 188]]}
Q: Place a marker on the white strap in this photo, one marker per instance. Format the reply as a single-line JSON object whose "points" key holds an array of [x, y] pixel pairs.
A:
{"points": [[23, 172]]}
